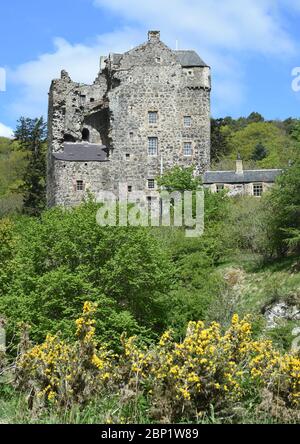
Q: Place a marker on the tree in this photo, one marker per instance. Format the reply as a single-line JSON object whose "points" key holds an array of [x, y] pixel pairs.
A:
{"points": [[32, 134], [259, 152], [219, 146], [12, 166], [279, 146], [64, 258], [179, 179], [255, 118], [283, 215]]}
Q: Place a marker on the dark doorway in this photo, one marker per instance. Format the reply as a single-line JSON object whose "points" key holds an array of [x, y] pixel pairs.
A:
{"points": [[85, 135]]}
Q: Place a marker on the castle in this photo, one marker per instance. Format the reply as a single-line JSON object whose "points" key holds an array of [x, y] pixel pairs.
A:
{"points": [[147, 110]]}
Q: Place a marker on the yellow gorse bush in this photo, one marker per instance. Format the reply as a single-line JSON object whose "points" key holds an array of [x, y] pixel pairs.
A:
{"points": [[64, 373], [209, 367]]}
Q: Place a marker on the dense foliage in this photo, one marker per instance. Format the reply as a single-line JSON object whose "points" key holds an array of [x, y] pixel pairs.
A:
{"points": [[31, 135], [143, 282], [284, 211], [12, 166], [261, 144], [177, 380]]}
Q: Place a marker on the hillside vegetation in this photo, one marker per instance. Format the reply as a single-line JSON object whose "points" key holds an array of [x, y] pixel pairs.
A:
{"points": [[172, 329]]}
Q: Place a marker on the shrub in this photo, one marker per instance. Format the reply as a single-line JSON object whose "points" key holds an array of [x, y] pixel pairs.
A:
{"points": [[179, 380], [64, 258]]}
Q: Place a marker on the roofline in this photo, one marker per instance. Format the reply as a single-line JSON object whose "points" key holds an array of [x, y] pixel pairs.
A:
{"points": [[239, 174], [80, 161], [237, 182]]}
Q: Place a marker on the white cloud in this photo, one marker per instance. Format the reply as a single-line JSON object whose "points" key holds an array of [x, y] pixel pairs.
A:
{"points": [[5, 131], [248, 25], [223, 32], [81, 61]]}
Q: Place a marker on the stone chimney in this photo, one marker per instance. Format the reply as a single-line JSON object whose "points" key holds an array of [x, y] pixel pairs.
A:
{"points": [[103, 62], [239, 165], [154, 36]]}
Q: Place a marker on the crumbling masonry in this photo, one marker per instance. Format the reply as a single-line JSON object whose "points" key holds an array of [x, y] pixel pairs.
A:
{"points": [[148, 110]]}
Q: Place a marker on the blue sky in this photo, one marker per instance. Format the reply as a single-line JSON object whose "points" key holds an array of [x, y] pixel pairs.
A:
{"points": [[251, 45]]}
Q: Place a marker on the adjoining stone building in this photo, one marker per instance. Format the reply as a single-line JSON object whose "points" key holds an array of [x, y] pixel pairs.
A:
{"points": [[240, 181], [148, 110]]}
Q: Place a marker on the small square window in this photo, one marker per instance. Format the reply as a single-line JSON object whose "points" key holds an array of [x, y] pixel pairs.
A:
{"points": [[257, 189], [151, 184], [187, 149], [152, 146], [92, 100], [127, 156], [129, 188], [152, 117], [187, 121], [79, 185]]}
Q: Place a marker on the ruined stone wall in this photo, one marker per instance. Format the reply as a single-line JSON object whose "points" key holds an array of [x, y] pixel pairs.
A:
{"points": [[73, 107], [115, 109]]}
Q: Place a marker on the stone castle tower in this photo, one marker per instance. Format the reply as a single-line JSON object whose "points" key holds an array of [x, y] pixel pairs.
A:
{"points": [[148, 110]]}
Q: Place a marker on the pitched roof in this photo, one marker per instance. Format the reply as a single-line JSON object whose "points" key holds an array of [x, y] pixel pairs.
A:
{"points": [[82, 152], [248, 176], [189, 59]]}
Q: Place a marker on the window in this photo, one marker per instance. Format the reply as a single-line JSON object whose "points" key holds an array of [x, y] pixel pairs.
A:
{"points": [[151, 184], [152, 117], [220, 188], [127, 156], [257, 189], [69, 138], [187, 149], [129, 188], [152, 146], [79, 185], [85, 135], [92, 100], [187, 121], [82, 99]]}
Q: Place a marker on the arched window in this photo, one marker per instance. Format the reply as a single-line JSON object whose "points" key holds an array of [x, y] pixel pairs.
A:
{"points": [[85, 135]]}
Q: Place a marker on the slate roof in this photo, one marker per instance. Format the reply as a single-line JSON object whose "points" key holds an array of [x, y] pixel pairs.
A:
{"points": [[82, 152], [186, 58], [189, 59], [248, 176]]}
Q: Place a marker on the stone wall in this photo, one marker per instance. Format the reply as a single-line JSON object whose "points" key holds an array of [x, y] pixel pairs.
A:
{"points": [[245, 189], [114, 112]]}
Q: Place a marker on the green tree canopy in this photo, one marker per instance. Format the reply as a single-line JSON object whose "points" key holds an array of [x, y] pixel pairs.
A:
{"points": [[179, 179], [279, 146], [31, 135], [283, 212]]}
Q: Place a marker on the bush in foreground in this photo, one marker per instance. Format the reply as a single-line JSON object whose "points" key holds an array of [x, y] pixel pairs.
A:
{"points": [[176, 381]]}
